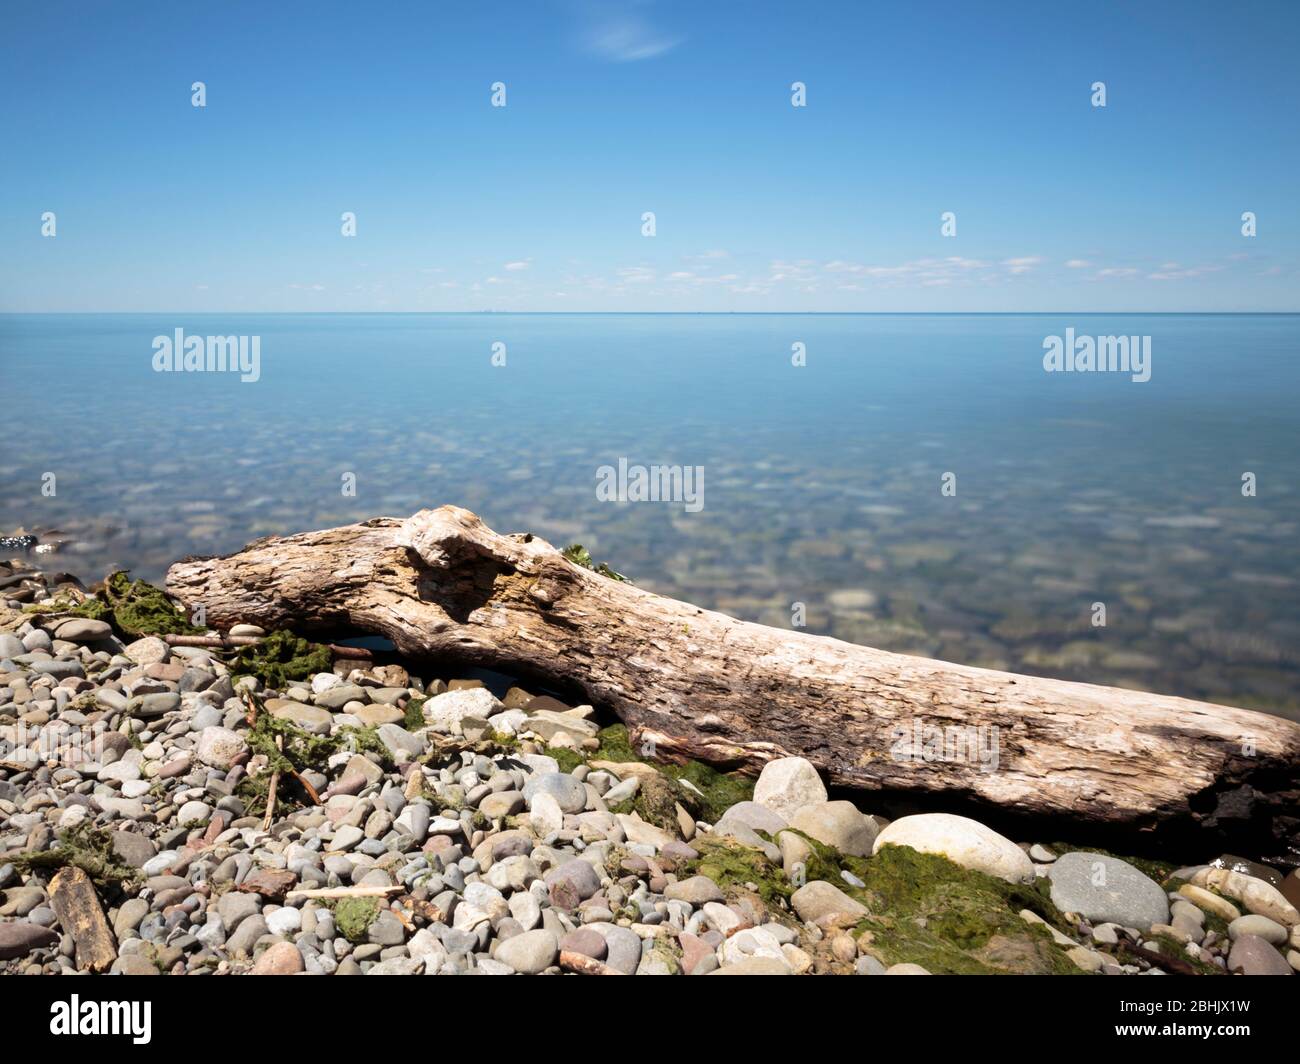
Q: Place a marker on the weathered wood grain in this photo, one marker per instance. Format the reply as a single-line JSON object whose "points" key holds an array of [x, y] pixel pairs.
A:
{"points": [[699, 684]]}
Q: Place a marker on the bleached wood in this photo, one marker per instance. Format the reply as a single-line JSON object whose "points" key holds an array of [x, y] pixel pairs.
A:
{"points": [[699, 684]]}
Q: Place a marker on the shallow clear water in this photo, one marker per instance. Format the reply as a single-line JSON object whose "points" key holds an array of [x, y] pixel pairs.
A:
{"points": [[821, 483]]}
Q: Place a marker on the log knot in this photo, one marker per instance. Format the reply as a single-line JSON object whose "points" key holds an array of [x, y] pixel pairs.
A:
{"points": [[443, 537]]}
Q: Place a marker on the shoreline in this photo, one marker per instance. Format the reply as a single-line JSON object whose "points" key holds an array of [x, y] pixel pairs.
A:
{"points": [[465, 829]]}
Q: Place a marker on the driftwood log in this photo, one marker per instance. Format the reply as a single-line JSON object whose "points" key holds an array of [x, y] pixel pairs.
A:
{"points": [[75, 903], [698, 684]]}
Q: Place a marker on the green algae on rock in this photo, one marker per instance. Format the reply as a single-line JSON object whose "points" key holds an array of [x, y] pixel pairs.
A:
{"points": [[288, 748], [922, 908], [353, 917], [84, 846], [951, 920], [133, 607], [280, 658], [736, 867], [413, 716], [567, 759], [140, 609], [702, 790]]}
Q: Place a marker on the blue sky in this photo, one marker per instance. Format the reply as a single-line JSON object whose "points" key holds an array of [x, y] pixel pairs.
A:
{"points": [[680, 108]]}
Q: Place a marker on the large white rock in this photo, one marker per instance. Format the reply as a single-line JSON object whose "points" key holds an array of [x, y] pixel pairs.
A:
{"points": [[817, 900], [220, 747], [837, 824], [545, 816], [447, 710], [787, 785], [963, 841], [751, 942], [638, 832]]}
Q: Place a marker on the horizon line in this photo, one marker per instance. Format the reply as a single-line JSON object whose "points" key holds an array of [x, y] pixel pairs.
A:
{"points": [[683, 313]]}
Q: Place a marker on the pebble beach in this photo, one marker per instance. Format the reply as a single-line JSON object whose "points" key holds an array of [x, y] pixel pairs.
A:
{"points": [[194, 810]]}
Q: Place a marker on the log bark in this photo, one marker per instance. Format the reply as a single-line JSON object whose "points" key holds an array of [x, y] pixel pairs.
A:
{"points": [[75, 903], [698, 684]]}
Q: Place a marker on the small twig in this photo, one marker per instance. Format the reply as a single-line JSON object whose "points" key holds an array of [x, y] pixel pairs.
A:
{"points": [[302, 782], [254, 707], [275, 784], [345, 892], [230, 641], [584, 965], [253, 703], [1160, 960]]}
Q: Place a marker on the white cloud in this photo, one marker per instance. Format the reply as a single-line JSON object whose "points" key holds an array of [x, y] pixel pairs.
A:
{"points": [[623, 34], [1173, 271], [523, 264], [1021, 265], [636, 274]]}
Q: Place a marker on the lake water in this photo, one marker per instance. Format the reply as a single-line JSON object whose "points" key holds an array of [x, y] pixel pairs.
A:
{"points": [[822, 483]]}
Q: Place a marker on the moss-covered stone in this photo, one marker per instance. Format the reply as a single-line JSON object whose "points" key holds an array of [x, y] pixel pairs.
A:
{"points": [[1171, 947], [280, 658], [353, 917], [615, 745], [734, 867], [413, 715], [140, 609], [702, 790], [133, 607], [655, 802], [567, 759], [718, 791], [85, 846], [93, 608], [923, 909], [951, 920]]}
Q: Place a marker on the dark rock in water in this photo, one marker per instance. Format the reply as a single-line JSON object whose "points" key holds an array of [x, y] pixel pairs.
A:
{"points": [[1248, 867], [8, 579]]}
